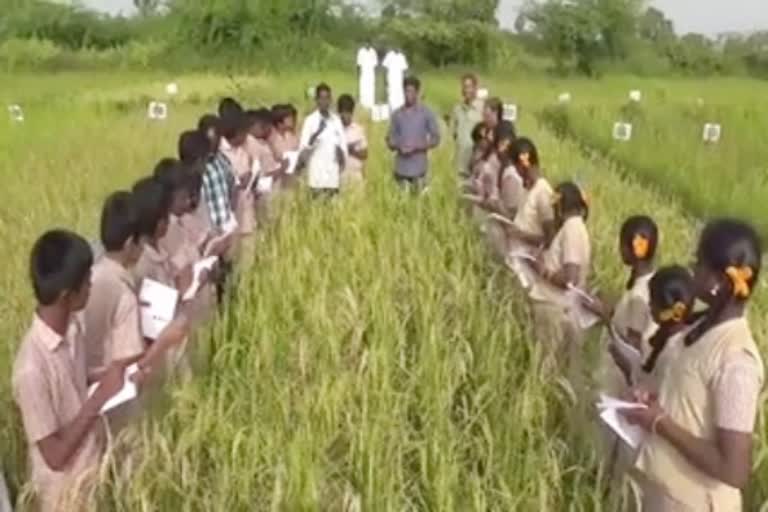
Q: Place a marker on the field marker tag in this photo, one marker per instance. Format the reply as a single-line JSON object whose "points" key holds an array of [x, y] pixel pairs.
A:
{"points": [[712, 133], [622, 131], [16, 113], [635, 95], [564, 97], [172, 89], [157, 110], [380, 113], [510, 112], [482, 93]]}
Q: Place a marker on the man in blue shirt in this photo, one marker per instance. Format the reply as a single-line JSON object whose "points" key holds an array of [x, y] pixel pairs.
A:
{"points": [[413, 132]]}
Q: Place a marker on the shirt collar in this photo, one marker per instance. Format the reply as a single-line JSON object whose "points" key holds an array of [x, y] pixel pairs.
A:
{"points": [[122, 273], [50, 339]]}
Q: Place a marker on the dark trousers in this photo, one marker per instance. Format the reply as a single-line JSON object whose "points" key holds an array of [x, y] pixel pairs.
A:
{"points": [[414, 184], [324, 193]]}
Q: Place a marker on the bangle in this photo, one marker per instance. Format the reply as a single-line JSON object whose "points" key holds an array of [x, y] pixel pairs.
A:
{"points": [[656, 422]]}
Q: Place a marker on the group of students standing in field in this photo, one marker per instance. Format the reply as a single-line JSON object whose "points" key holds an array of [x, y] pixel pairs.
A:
{"points": [[699, 375], [699, 372], [86, 335]]}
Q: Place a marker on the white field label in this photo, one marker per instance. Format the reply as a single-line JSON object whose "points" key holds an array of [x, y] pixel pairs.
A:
{"points": [[157, 110], [380, 113], [712, 132], [635, 95], [172, 89], [16, 113], [482, 93], [564, 97], [622, 131], [510, 112]]}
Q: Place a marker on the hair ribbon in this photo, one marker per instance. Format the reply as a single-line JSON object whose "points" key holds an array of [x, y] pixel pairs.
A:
{"points": [[640, 246], [674, 314], [740, 277]]}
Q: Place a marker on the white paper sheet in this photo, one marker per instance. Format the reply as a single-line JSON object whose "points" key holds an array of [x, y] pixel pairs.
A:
{"points": [[161, 307], [501, 219], [293, 161], [630, 434], [265, 184], [609, 402], [255, 168], [197, 270], [519, 262], [627, 350], [584, 318], [128, 392]]}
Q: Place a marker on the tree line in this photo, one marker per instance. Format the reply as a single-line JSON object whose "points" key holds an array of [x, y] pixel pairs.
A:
{"points": [[587, 37]]}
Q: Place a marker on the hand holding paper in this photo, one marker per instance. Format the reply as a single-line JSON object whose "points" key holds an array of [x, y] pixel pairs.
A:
{"points": [[205, 265], [160, 307], [610, 414], [120, 387]]}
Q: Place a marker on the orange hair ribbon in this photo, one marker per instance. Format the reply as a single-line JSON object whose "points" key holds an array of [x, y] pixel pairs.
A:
{"points": [[740, 277], [640, 246], [674, 314]]}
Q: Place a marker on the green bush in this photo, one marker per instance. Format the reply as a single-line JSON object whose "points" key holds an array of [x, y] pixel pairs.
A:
{"points": [[28, 52]]}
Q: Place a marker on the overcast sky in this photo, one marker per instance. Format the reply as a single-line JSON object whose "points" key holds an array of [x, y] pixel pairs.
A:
{"points": [[705, 16]]}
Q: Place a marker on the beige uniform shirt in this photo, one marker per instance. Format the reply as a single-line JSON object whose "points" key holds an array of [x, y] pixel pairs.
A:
{"points": [[632, 313], [570, 246], [179, 245], [50, 387], [691, 397], [154, 264], [112, 317], [512, 191], [536, 208], [356, 138]]}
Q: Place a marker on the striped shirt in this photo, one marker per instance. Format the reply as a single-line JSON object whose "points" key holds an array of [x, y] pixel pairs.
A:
{"points": [[218, 183]]}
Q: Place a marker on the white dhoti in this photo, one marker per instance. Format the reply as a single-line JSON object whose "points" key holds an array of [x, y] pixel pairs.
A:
{"points": [[367, 87]]}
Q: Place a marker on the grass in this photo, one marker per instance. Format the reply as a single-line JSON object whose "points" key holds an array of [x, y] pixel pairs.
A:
{"points": [[374, 353]]}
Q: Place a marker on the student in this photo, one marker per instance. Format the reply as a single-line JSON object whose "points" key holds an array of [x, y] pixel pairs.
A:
{"points": [[234, 131], [62, 423], [260, 128], [413, 132], [511, 189], [494, 123], [357, 143], [182, 249], [283, 138], [153, 206], [565, 263], [631, 316], [229, 106], [697, 455], [534, 225], [466, 115], [112, 318], [672, 298], [195, 150], [324, 143]]}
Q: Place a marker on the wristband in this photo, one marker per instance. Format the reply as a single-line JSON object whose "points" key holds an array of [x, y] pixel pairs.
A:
{"points": [[656, 422]]}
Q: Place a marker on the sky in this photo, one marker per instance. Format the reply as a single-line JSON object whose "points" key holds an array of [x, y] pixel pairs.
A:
{"points": [[705, 16]]}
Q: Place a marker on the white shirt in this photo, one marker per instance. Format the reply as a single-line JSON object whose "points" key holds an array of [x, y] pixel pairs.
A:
{"points": [[367, 59], [396, 64], [324, 168]]}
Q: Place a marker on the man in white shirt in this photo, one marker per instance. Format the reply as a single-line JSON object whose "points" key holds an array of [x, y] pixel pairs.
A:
{"points": [[367, 60], [396, 65], [325, 146]]}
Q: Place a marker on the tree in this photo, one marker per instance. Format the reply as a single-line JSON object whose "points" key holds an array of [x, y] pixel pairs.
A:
{"points": [[453, 11], [147, 7], [581, 32]]}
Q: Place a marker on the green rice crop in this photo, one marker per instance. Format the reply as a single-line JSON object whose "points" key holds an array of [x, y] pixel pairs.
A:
{"points": [[374, 351]]}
